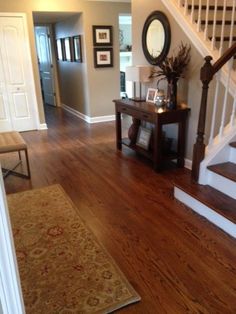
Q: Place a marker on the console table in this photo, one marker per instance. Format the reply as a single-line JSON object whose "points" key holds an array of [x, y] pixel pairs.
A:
{"points": [[144, 111]]}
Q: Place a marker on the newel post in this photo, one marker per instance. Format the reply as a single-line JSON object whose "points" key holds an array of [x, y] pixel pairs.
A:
{"points": [[206, 76]]}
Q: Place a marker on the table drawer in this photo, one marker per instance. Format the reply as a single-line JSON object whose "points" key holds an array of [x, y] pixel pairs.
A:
{"points": [[137, 114], [126, 110]]}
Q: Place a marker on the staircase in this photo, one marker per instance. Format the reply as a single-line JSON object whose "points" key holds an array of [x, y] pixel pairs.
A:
{"points": [[211, 191]]}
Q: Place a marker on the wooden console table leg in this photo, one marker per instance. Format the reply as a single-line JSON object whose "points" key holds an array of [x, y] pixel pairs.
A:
{"points": [[118, 131], [181, 143], [157, 146]]}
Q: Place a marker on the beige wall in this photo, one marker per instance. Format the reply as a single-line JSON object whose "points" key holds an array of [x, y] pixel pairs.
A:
{"points": [[103, 84], [189, 89], [72, 75]]}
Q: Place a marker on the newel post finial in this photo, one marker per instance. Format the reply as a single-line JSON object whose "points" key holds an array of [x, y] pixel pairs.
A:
{"points": [[206, 75]]}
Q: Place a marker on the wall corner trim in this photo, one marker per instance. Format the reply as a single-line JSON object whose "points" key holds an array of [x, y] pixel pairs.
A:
{"points": [[87, 118], [188, 164], [42, 126]]}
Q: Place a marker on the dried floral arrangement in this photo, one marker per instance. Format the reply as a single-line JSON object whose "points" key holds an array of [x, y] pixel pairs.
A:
{"points": [[172, 68]]}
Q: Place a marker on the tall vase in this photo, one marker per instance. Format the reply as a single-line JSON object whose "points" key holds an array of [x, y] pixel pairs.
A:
{"points": [[172, 93]]}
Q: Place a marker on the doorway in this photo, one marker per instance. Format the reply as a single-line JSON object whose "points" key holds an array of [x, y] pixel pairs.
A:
{"points": [[125, 38], [46, 65]]}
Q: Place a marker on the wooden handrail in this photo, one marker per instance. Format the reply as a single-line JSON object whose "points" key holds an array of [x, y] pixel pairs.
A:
{"points": [[207, 73], [229, 53]]}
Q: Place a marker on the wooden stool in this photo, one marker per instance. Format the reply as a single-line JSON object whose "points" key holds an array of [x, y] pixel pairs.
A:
{"points": [[13, 142]]}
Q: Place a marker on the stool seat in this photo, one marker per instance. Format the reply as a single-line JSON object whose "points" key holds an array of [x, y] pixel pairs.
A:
{"points": [[11, 142]]}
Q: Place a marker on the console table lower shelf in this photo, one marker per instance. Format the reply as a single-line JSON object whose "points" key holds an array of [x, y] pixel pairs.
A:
{"points": [[148, 112]]}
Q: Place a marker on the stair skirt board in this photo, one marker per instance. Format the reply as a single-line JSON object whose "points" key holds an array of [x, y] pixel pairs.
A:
{"points": [[203, 210], [222, 184]]}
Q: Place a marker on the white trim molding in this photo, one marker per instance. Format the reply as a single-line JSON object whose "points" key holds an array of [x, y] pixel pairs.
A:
{"points": [[43, 126], [87, 118], [10, 289], [188, 164]]}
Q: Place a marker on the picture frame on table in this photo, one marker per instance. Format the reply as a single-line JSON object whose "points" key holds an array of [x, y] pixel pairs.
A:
{"points": [[151, 95], [103, 57], [77, 51], [143, 137], [102, 35]]}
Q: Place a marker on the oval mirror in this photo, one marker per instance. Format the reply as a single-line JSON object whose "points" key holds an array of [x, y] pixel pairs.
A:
{"points": [[156, 37]]}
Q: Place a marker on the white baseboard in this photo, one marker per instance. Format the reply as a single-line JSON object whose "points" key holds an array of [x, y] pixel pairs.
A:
{"points": [[188, 164], [203, 210], [87, 118], [43, 126]]}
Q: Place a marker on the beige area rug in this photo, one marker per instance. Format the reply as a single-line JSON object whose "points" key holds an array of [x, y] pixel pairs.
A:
{"points": [[62, 266]]}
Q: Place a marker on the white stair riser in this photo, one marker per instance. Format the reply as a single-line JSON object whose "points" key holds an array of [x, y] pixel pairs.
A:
{"points": [[222, 184], [203, 210], [232, 155]]}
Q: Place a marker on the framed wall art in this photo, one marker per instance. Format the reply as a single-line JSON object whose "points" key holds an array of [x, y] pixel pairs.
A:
{"points": [[67, 45], [102, 35], [60, 49], [77, 51], [103, 57]]}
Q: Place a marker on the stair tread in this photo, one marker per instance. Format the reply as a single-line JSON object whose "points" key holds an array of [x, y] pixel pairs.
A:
{"points": [[212, 198], [226, 169], [225, 38], [218, 22], [211, 7], [233, 144]]}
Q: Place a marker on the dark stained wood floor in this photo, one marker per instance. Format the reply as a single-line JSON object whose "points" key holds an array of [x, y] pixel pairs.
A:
{"points": [[177, 261]]}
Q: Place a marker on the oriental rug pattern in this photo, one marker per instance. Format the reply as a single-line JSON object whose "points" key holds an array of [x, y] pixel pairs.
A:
{"points": [[63, 268]]}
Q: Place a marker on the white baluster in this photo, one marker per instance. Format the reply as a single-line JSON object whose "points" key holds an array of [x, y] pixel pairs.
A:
{"points": [[213, 40], [232, 25], [192, 12], [215, 105], [186, 7], [222, 125], [199, 16], [232, 118], [222, 30], [206, 20]]}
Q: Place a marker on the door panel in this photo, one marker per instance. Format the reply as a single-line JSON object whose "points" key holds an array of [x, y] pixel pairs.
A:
{"points": [[13, 49], [5, 121], [45, 64], [21, 105], [3, 115]]}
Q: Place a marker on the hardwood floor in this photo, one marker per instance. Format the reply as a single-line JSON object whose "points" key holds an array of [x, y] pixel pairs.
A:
{"points": [[177, 261]]}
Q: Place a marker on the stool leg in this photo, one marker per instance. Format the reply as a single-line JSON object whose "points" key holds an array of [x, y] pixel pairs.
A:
{"points": [[27, 162], [19, 153]]}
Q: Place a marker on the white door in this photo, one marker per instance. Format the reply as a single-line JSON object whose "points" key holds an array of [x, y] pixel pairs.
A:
{"points": [[18, 107], [5, 120], [45, 64]]}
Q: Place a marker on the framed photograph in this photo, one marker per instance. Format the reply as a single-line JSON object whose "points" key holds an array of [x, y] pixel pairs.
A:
{"points": [[102, 35], [77, 54], [67, 45], [103, 57], [60, 49], [151, 95], [143, 138]]}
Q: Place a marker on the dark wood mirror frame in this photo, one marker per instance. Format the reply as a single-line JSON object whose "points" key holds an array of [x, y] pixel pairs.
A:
{"points": [[161, 17]]}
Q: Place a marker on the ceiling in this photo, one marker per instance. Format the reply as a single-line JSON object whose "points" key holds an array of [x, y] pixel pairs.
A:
{"points": [[51, 17]]}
